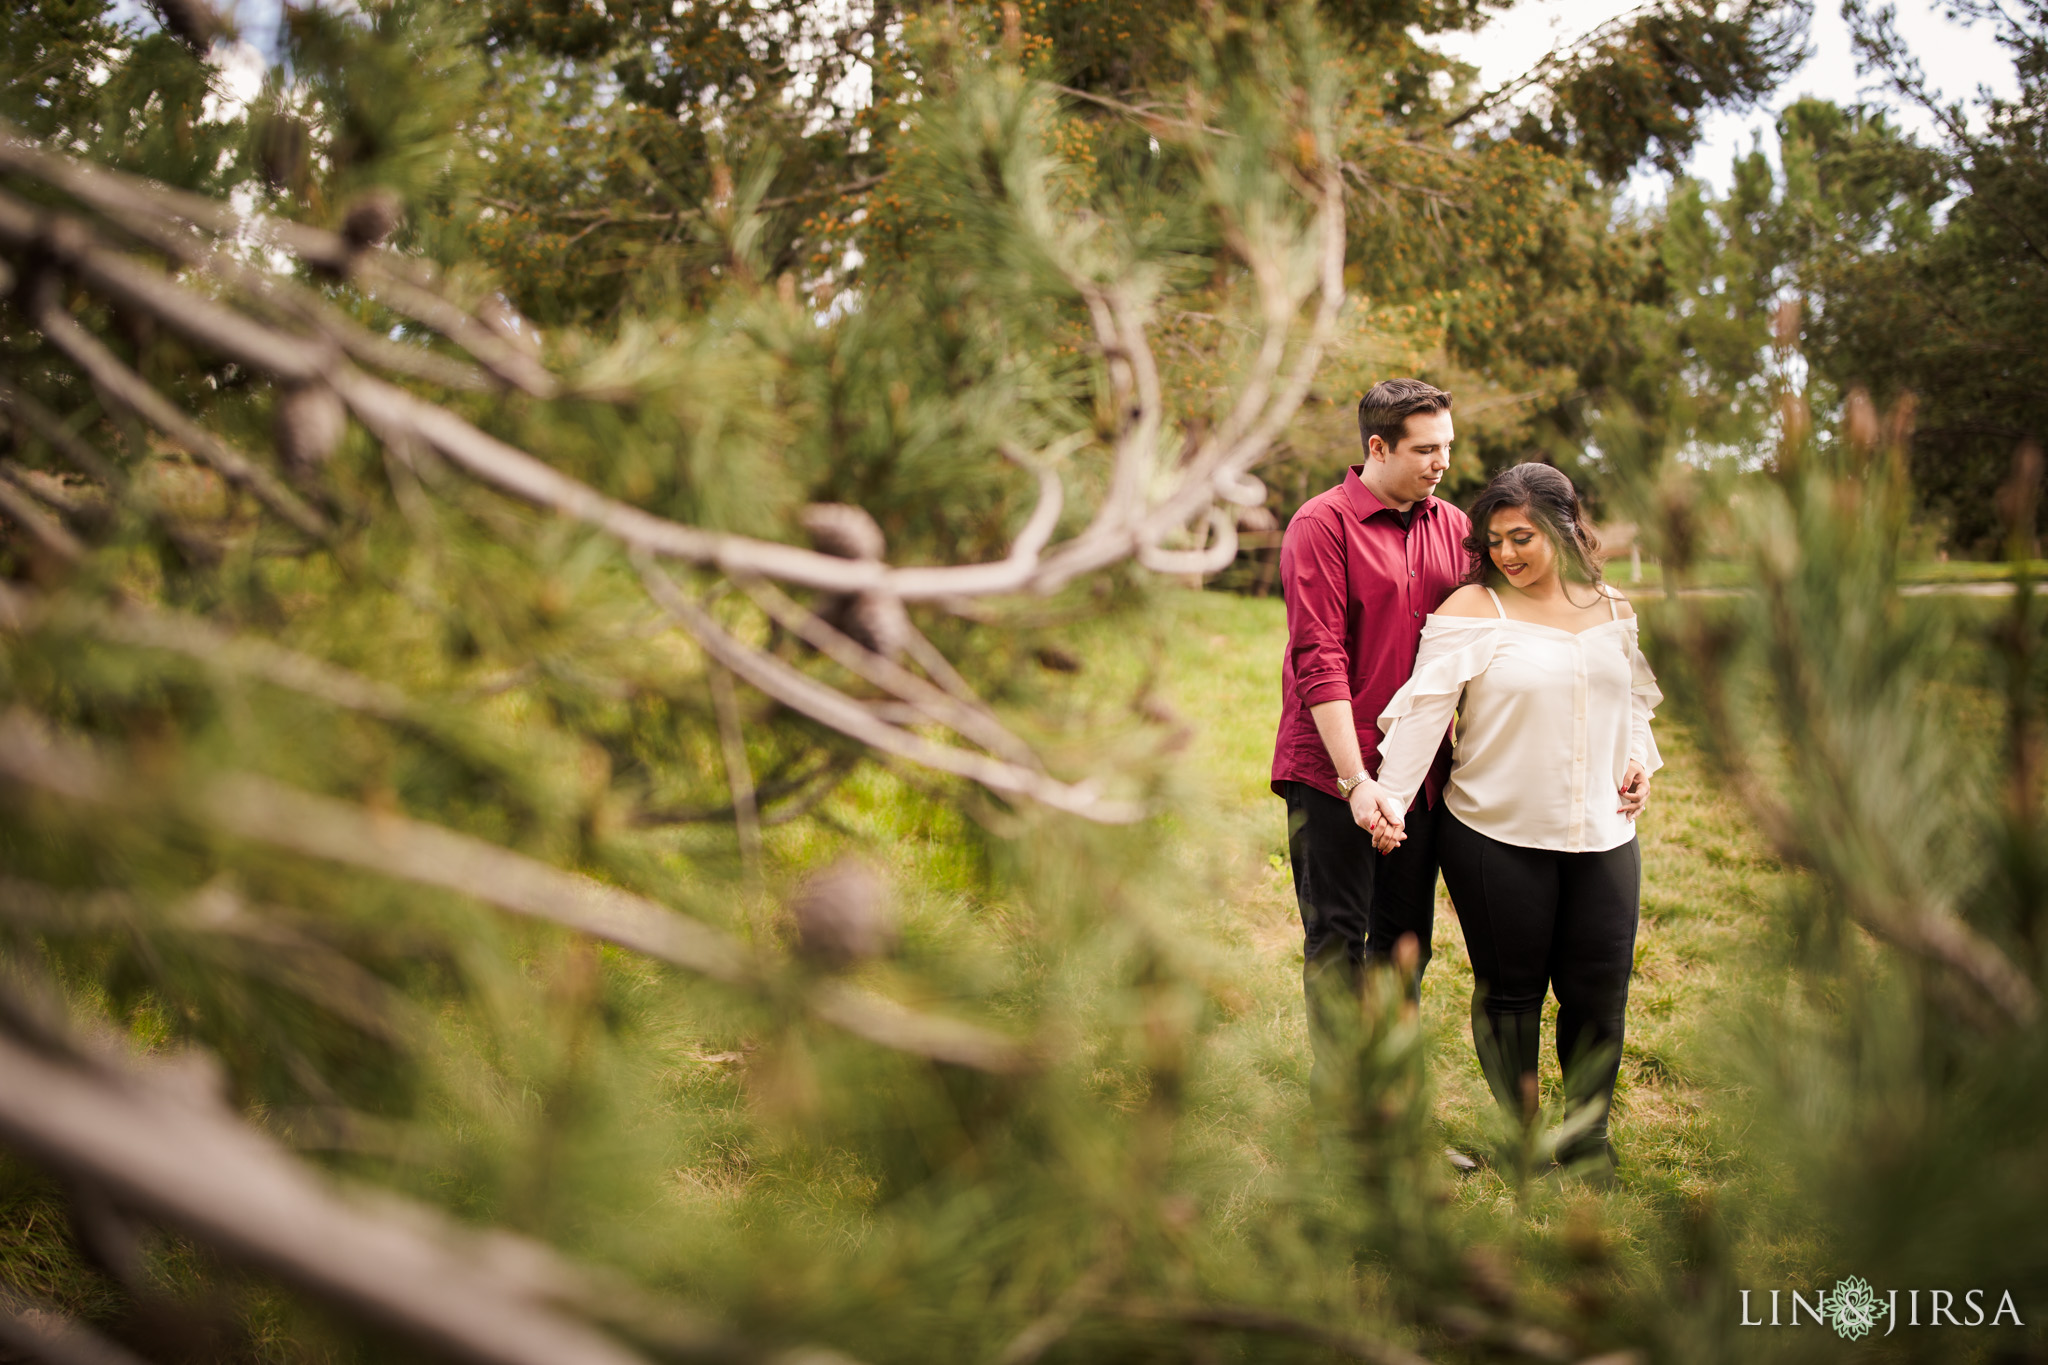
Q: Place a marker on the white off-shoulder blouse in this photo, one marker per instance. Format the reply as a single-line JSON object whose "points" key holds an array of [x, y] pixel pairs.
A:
{"points": [[1547, 722]]}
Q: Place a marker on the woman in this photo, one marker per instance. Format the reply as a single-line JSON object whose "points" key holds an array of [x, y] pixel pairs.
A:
{"points": [[1551, 765]]}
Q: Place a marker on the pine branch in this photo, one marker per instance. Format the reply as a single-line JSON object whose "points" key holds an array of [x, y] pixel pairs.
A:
{"points": [[264, 811], [167, 1148], [609, 217], [971, 720], [133, 392], [145, 207], [835, 709], [1130, 522], [48, 533]]}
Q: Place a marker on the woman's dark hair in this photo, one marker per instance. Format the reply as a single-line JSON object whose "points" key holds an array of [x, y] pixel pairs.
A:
{"points": [[1552, 504]]}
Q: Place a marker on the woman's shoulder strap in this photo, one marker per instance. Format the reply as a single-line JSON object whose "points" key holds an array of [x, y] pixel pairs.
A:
{"points": [[1503, 611]]}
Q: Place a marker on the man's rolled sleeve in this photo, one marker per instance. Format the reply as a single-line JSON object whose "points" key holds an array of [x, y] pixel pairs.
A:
{"points": [[1316, 641]]}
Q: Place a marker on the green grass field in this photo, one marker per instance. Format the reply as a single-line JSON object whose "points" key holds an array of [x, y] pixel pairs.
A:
{"points": [[1704, 954]]}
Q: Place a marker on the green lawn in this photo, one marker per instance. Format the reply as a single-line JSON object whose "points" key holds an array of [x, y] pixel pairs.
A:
{"points": [[1707, 897], [1729, 574]]}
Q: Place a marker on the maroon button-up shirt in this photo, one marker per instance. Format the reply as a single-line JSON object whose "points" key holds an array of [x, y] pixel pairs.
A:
{"points": [[1357, 587]]}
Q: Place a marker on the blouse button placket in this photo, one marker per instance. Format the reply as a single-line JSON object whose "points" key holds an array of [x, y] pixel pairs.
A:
{"points": [[1577, 835]]}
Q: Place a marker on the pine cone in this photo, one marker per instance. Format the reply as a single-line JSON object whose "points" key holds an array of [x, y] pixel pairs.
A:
{"points": [[371, 217], [308, 423], [874, 620], [194, 21], [843, 915]]}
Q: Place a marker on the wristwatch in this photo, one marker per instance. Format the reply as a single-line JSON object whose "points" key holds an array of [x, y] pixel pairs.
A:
{"points": [[1348, 784]]}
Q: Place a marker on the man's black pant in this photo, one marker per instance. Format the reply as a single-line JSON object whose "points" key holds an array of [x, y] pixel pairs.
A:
{"points": [[1356, 906], [1534, 921]]}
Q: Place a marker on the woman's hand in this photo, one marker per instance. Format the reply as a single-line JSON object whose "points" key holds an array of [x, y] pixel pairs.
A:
{"points": [[1388, 836], [1374, 811], [1635, 790]]}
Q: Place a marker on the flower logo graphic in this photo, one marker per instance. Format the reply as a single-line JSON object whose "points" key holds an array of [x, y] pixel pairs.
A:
{"points": [[1853, 1308]]}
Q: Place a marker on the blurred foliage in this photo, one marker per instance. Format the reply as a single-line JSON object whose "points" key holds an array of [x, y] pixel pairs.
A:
{"points": [[760, 246]]}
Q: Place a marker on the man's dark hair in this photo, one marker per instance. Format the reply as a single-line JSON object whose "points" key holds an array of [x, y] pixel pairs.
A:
{"points": [[1387, 406]]}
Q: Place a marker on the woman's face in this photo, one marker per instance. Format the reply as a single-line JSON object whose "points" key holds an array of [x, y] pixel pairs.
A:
{"points": [[1522, 553]]}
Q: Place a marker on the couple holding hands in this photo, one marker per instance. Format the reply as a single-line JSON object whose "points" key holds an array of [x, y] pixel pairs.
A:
{"points": [[1404, 613]]}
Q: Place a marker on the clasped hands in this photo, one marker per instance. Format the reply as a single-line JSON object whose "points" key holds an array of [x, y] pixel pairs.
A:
{"points": [[1378, 815]]}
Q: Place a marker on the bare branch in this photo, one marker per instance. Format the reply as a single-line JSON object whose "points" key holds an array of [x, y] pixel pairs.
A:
{"points": [[1045, 517], [393, 281], [1114, 534], [290, 299], [79, 453], [835, 709], [1221, 464], [739, 778], [396, 291], [1549, 64], [1149, 118], [87, 460], [213, 326], [970, 720], [606, 217], [175, 1153], [1214, 558], [45, 530], [133, 392]]}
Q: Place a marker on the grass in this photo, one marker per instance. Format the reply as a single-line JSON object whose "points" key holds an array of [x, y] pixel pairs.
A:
{"points": [[1731, 574], [1708, 892]]}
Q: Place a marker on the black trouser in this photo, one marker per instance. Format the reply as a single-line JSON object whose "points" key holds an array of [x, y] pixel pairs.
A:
{"points": [[1356, 905], [1535, 921]]}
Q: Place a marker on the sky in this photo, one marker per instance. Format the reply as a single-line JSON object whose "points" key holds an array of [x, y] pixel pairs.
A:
{"points": [[1955, 57]]}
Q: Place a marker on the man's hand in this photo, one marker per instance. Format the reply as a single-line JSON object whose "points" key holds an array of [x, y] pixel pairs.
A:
{"points": [[1635, 790], [1376, 812]]}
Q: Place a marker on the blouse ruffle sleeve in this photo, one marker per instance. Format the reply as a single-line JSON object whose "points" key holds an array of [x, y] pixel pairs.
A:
{"points": [[1452, 652], [1644, 699]]}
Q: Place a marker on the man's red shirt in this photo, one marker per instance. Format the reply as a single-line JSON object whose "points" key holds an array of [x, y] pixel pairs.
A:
{"points": [[1357, 585]]}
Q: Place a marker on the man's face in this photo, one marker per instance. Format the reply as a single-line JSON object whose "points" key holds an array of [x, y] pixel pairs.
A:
{"points": [[1416, 464]]}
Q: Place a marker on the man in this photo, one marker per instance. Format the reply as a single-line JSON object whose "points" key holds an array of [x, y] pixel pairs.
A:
{"points": [[1360, 566]]}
